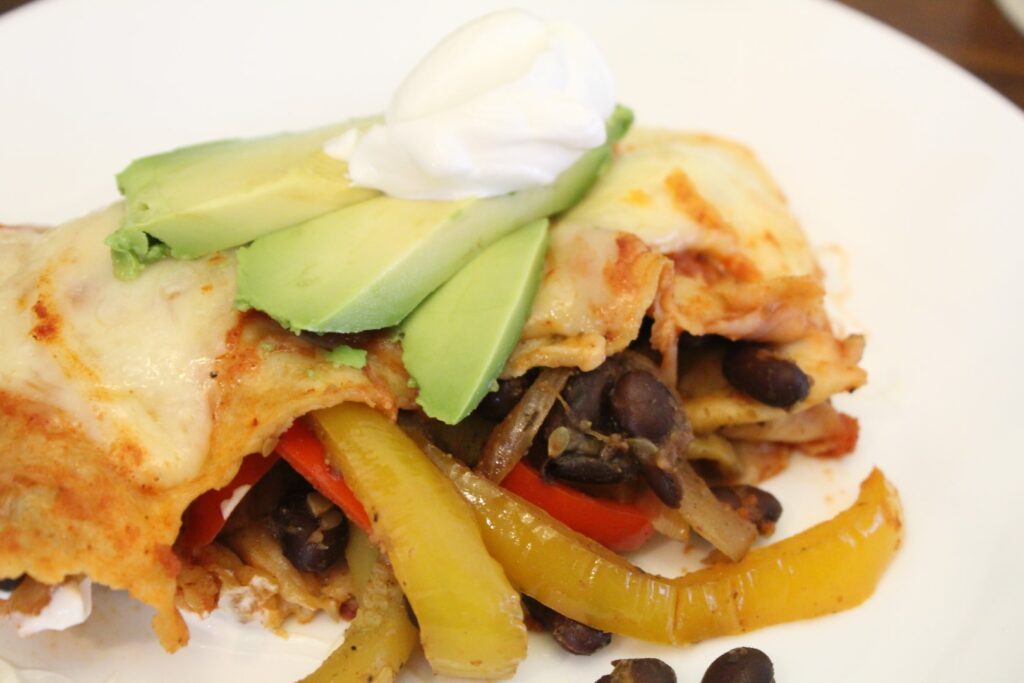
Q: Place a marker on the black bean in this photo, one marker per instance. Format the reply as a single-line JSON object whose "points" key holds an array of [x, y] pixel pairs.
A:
{"points": [[642, 670], [741, 665], [755, 371], [8, 585], [587, 392], [292, 516], [578, 638], [587, 469], [573, 636], [499, 403], [754, 504], [311, 530], [312, 556], [666, 485], [643, 406]]}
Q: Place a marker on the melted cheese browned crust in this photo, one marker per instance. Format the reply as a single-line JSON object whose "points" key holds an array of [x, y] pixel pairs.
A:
{"points": [[596, 287], [691, 230], [120, 403], [93, 477]]}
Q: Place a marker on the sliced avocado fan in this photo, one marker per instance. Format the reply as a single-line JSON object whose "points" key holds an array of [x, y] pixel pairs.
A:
{"points": [[198, 200], [457, 341], [367, 266]]}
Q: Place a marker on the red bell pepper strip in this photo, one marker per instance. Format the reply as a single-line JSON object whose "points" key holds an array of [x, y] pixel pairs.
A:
{"points": [[618, 526], [204, 518], [304, 452]]}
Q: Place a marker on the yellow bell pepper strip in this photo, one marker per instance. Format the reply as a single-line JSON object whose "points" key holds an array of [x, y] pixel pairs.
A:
{"points": [[830, 567], [471, 621], [381, 637], [360, 556]]}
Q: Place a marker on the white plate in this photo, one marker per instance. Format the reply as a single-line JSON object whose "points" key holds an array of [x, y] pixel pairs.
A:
{"points": [[1014, 11], [914, 167]]}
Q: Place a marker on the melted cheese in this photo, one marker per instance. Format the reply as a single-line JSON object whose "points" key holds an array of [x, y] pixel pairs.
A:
{"points": [[689, 229], [679, 191], [111, 419], [129, 362], [596, 287]]}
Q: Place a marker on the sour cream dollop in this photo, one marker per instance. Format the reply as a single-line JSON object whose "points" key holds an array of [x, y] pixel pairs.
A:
{"points": [[504, 103]]}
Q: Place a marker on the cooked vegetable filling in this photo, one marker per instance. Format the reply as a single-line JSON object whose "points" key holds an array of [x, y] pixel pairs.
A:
{"points": [[477, 467]]}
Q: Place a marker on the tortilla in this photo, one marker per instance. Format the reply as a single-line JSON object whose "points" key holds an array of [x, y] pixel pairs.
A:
{"points": [[692, 231], [120, 403]]}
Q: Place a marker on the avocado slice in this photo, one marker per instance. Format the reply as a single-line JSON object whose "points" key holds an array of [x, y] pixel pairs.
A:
{"points": [[197, 200], [368, 266], [457, 341]]}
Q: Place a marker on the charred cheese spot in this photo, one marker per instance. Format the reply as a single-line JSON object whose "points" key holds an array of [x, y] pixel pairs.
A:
{"points": [[128, 455], [48, 324], [713, 268], [129, 362], [688, 201]]}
